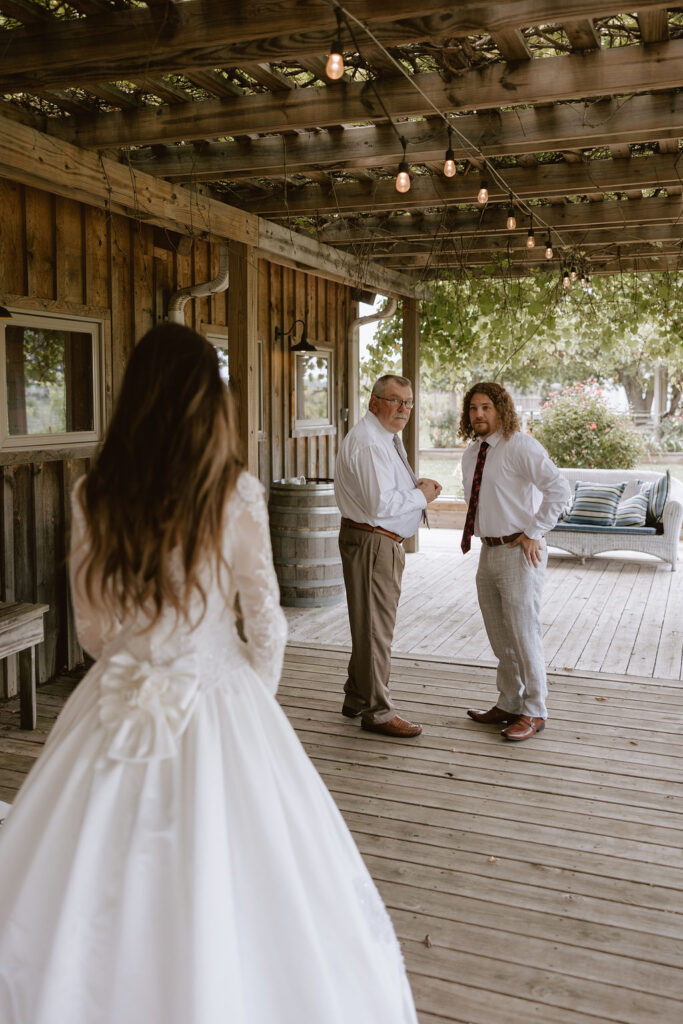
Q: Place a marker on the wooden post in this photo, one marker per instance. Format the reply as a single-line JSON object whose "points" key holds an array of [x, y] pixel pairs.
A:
{"points": [[27, 688], [411, 369], [242, 346]]}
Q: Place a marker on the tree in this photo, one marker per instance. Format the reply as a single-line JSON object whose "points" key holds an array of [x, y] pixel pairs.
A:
{"points": [[532, 333]]}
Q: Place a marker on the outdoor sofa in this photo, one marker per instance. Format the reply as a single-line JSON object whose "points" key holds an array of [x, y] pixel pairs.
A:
{"points": [[590, 530]]}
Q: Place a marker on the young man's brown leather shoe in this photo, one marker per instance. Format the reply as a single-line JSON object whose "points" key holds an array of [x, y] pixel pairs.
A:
{"points": [[524, 728], [494, 716], [396, 726]]}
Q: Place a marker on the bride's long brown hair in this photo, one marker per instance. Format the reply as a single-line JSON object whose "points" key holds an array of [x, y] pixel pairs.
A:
{"points": [[162, 477]]}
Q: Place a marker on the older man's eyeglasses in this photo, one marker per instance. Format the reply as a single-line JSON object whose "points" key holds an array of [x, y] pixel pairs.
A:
{"points": [[397, 402]]}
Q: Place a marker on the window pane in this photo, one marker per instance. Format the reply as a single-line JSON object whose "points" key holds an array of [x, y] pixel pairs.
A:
{"points": [[312, 387], [49, 381], [224, 370]]}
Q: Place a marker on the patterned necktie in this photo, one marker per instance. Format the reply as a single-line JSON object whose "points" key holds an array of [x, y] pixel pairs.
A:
{"points": [[403, 456], [474, 498]]}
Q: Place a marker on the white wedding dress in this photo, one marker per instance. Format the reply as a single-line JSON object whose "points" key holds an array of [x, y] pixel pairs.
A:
{"points": [[173, 857]]}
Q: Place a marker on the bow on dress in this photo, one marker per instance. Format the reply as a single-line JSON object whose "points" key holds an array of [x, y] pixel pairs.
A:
{"points": [[145, 707]]}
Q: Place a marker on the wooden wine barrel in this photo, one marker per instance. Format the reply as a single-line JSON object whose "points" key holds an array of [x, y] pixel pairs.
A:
{"points": [[304, 529]]}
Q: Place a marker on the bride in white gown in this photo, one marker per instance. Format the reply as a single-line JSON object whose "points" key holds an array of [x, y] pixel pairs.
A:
{"points": [[173, 857]]}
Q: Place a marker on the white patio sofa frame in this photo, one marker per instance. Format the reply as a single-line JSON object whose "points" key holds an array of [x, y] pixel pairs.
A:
{"points": [[583, 543]]}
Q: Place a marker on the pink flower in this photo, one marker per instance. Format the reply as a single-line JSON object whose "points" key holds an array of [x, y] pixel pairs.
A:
{"points": [[592, 426]]}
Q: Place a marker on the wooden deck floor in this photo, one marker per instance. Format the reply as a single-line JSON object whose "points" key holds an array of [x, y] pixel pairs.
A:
{"points": [[621, 615], [541, 881]]}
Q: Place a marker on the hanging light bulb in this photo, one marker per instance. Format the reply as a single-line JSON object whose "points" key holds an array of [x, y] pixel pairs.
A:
{"points": [[530, 235], [512, 220], [483, 193], [565, 279], [334, 69], [573, 273], [548, 247], [582, 279], [449, 158], [403, 175]]}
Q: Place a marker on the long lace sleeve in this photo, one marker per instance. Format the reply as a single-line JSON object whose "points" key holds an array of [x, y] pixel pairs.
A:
{"points": [[95, 624], [251, 564]]}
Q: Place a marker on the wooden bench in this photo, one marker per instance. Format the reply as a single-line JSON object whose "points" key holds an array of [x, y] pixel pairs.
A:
{"points": [[21, 628]]}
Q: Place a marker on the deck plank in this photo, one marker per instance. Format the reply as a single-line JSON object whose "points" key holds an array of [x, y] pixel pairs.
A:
{"points": [[617, 614], [540, 881]]}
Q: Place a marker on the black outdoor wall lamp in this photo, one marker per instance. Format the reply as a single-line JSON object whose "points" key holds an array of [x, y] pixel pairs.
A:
{"points": [[303, 345]]}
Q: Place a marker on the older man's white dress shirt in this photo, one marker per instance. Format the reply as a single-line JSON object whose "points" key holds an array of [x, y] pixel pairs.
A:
{"points": [[371, 483]]}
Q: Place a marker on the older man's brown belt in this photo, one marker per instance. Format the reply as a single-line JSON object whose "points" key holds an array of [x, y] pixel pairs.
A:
{"points": [[372, 529]]}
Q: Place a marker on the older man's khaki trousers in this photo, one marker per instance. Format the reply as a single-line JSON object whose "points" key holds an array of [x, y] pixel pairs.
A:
{"points": [[373, 567]]}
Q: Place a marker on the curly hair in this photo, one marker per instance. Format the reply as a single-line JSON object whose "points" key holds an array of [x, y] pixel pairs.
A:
{"points": [[163, 475], [504, 407]]}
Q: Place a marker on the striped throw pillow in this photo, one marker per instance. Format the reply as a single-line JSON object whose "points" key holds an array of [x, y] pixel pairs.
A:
{"points": [[595, 504], [657, 493], [632, 511]]}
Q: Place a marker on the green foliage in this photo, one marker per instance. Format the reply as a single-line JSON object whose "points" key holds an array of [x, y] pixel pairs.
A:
{"points": [[443, 428], [578, 429], [669, 434], [532, 332]]}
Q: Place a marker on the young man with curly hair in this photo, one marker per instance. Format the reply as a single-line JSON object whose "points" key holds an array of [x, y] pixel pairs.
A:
{"points": [[515, 494]]}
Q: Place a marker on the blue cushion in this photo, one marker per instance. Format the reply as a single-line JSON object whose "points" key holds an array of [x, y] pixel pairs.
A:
{"points": [[581, 528], [632, 511], [594, 504], [657, 494]]}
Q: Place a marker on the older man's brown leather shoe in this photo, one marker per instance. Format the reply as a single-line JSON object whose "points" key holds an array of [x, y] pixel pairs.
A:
{"points": [[494, 716], [524, 728], [396, 726]]}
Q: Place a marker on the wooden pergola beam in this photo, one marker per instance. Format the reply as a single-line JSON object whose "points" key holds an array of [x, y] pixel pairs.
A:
{"points": [[613, 215], [609, 218], [672, 263], [542, 181], [43, 162], [209, 33], [668, 236], [647, 118], [622, 70], [520, 260]]}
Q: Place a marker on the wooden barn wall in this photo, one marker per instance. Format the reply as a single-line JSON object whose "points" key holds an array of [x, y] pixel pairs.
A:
{"points": [[327, 308], [61, 256]]}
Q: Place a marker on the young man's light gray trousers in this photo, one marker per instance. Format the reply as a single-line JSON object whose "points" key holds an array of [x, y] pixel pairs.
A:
{"points": [[510, 594]]}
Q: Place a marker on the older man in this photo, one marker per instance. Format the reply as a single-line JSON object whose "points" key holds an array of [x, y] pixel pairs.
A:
{"points": [[382, 503], [515, 495]]}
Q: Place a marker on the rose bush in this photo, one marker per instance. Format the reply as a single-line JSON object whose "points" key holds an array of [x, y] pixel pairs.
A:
{"points": [[578, 429]]}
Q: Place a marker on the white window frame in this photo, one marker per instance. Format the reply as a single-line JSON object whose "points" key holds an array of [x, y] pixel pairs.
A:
{"points": [[309, 428], [57, 322], [218, 336]]}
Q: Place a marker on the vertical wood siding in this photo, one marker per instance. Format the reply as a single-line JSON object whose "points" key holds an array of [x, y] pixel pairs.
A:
{"points": [[61, 256]]}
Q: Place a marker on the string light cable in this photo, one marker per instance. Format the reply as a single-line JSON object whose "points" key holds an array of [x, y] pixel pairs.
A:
{"points": [[467, 144]]}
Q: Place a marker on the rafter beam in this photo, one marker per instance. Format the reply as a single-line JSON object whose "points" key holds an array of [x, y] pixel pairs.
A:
{"points": [[603, 267], [622, 70], [577, 125], [210, 33], [613, 215], [57, 167], [668, 237], [582, 35], [654, 25], [521, 259], [542, 181]]}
